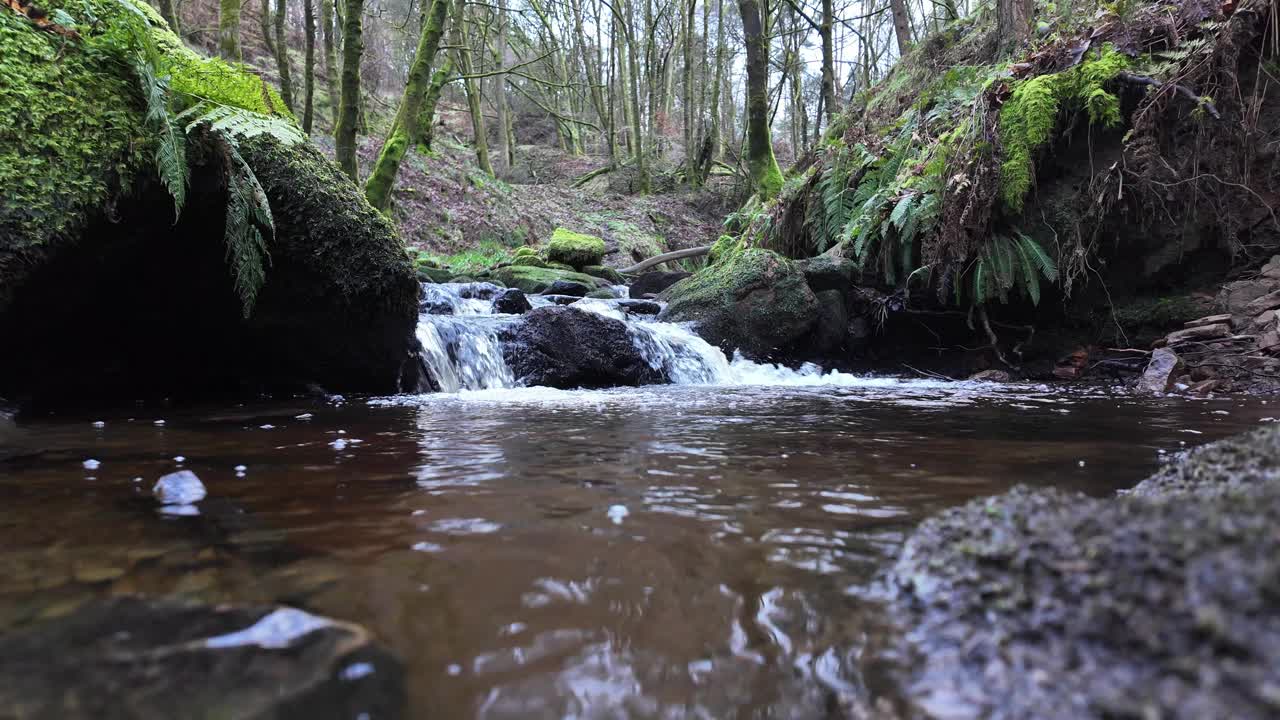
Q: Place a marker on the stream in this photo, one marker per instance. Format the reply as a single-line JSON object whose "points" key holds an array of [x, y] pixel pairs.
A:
{"points": [[708, 548]]}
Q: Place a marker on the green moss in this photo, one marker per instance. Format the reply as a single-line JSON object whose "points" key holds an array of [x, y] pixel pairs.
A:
{"points": [[534, 280], [1030, 116], [1159, 313], [575, 249], [725, 247], [529, 261], [71, 139], [604, 273]]}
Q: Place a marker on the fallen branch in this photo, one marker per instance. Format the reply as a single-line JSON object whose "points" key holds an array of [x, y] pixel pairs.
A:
{"points": [[665, 257], [1183, 90]]}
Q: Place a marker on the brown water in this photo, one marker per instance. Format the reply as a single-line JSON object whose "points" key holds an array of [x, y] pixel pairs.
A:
{"points": [[673, 552]]}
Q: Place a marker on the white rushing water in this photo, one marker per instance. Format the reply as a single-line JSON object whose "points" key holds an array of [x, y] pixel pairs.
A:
{"points": [[463, 350]]}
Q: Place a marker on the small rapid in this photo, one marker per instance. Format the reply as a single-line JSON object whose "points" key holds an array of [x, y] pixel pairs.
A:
{"points": [[462, 346]]}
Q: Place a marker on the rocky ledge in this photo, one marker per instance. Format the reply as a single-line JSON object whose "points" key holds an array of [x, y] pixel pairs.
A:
{"points": [[1164, 602]]}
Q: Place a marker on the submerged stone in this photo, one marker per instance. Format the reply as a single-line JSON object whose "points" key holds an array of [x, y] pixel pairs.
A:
{"points": [[1161, 372], [179, 488], [134, 658], [511, 302], [568, 287]]}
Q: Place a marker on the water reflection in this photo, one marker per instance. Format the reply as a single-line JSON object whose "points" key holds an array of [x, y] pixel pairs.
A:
{"points": [[663, 552]]}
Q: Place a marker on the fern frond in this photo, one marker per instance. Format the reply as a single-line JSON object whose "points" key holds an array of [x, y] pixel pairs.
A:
{"points": [[238, 123], [248, 214], [1043, 262]]}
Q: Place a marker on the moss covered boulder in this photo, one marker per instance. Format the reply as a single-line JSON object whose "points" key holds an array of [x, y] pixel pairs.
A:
{"points": [[107, 292], [754, 300], [575, 249], [1048, 604], [534, 280]]}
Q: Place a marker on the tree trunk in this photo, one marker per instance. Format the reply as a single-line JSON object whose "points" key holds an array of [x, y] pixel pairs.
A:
{"points": [[282, 54], [902, 25], [637, 137], [690, 137], [406, 127], [309, 69], [765, 174], [506, 150], [267, 29], [1013, 23], [829, 102], [229, 30], [330, 65], [344, 134], [427, 115], [463, 54], [170, 15], [711, 144]]}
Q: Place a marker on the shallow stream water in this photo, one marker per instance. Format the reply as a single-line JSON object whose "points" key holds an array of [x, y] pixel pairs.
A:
{"points": [[677, 551]]}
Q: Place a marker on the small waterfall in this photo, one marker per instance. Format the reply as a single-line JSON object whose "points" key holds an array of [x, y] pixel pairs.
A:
{"points": [[460, 339]]}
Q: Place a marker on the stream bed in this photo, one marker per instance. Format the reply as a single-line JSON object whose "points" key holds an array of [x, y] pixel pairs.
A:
{"points": [[673, 551]]}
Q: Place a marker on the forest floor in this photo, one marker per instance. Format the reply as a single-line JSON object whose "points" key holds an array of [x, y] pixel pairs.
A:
{"points": [[446, 206]]}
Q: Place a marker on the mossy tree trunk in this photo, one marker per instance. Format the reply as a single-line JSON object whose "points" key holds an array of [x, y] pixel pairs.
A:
{"points": [[766, 176], [229, 30], [406, 128], [633, 81], [330, 65], [506, 149], [344, 135], [690, 112], [309, 69], [427, 114], [282, 54]]}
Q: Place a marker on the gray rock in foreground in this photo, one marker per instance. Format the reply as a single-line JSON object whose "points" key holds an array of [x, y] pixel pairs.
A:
{"points": [[1164, 602], [133, 658]]}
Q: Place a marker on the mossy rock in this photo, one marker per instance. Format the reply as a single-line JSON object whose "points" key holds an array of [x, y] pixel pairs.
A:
{"points": [[602, 294], [605, 273], [434, 275], [561, 266], [755, 301], [533, 280], [525, 251], [574, 249], [88, 234], [529, 261], [724, 247]]}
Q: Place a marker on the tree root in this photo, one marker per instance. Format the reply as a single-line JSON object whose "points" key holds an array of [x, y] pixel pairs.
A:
{"points": [[665, 257], [1204, 103]]}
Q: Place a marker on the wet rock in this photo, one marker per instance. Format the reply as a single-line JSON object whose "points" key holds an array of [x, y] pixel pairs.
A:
{"points": [[832, 327], [511, 302], [1047, 604], [603, 294], [652, 283], [605, 273], [1164, 368], [1235, 296], [480, 290], [133, 658], [1199, 333], [434, 275], [1270, 301], [995, 376], [562, 299], [755, 301], [179, 488], [564, 347], [1210, 320], [830, 271], [567, 287], [640, 307]]}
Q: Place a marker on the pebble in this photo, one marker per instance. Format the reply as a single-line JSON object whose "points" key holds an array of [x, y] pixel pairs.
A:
{"points": [[240, 468], [268, 426], [179, 488], [339, 444], [91, 464], [303, 416], [158, 423], [99, 424], [179, 458], [1081, 463], [617, 513]]}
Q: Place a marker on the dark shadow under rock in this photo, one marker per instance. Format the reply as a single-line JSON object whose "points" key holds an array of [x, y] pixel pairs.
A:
{"points": [[1045, 604], [564, 347], [134, 658]]}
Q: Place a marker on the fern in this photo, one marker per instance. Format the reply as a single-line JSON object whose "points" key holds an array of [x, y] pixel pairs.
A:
{"points": [[1007, 264], [240, 123], [248, 214], [171, 151]]}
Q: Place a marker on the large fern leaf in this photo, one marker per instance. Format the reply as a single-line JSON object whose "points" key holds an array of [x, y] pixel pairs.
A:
{"points": [[238, 123], [248, 215]]}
